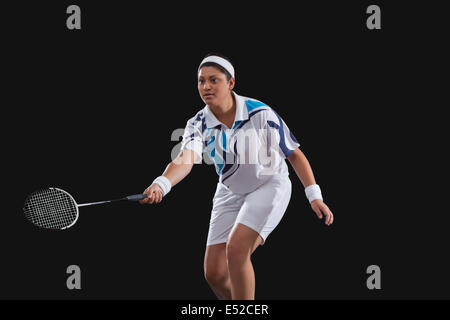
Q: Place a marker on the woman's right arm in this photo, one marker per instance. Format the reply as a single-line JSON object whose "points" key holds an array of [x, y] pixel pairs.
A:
{"points": [[176, 171]]}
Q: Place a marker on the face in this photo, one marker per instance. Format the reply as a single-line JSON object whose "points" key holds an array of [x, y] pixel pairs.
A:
{"points": [[213, 85]]}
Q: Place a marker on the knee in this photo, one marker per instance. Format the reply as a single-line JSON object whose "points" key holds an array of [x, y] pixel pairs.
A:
{"points": [[236, 253], [215, 276]]}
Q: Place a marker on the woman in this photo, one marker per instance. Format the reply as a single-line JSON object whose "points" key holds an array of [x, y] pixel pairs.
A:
{"points": [[248, 142]]}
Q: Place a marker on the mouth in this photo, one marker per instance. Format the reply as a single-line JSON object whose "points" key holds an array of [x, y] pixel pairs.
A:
{"points": [[208, 95]]}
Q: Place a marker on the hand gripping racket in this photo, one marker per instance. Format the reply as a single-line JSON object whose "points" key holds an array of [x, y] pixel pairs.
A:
{"points": [[53, 208]]}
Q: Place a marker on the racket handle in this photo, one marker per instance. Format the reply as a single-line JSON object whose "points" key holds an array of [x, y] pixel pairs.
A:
{"points": [[137, 197]]}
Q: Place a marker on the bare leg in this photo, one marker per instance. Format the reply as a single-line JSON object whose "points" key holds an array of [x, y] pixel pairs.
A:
{"points": [[242, 243], [216, 271]]}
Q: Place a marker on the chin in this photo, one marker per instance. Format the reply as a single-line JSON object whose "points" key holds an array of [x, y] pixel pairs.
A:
{"points": [[209, 101]]}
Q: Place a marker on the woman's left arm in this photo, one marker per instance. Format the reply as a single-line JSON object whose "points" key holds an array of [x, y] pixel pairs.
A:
{"points": [[305, 174]]}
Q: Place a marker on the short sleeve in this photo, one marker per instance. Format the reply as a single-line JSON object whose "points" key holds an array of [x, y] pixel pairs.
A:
{"points": [[192, 137], [279, 137]]}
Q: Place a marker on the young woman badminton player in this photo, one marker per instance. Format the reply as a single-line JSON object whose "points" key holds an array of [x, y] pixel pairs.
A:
{"points": [[248, 143]]}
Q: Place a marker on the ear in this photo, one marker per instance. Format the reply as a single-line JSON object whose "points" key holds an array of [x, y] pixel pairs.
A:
{"points": [[231, 83]]}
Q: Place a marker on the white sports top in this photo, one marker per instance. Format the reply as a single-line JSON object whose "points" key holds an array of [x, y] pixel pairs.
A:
{"points": [[248, 154]]}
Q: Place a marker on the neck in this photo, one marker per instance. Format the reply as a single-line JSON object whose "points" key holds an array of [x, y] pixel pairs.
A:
{"points": [[225, 108]]}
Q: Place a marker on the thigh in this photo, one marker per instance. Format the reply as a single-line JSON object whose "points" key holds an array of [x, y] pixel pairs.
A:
{"points": [[216, 259], [226, 206], [264, 207], [245, 238]]}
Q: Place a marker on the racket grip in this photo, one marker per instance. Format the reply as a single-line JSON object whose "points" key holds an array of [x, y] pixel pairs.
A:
{"points": [[137, 197]]}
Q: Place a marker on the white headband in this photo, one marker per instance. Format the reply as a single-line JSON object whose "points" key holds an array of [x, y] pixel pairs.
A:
{"points": [[221, 62]]}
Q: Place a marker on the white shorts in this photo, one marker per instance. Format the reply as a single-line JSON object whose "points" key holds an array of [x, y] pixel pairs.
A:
{"points": [[260, 210]]}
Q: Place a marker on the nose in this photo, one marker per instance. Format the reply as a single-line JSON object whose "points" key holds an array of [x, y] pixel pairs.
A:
{"points": [[206, 86]]}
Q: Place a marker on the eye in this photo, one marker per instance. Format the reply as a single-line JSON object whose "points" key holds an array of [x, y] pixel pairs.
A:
{"points": [[201, 81], [214, 80]]}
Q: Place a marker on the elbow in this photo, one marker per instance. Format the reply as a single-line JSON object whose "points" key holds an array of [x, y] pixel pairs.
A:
{"points": [[296, 154], [189, 168]]}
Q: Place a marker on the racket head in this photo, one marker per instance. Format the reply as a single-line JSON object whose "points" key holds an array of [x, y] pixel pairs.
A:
{"points": [[51, 208]]}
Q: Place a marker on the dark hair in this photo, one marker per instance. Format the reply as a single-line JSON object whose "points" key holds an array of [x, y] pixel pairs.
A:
{"points": [[218, 66]]}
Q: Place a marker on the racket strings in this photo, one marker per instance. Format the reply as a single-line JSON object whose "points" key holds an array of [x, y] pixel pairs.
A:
{"points": [[50, 208]]}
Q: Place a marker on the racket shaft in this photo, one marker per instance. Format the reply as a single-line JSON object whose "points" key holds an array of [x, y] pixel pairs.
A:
{"points": [[135, 197], [94, 203]]}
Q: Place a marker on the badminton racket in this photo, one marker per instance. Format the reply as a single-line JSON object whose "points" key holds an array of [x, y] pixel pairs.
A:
{"points": [[54, 208]]}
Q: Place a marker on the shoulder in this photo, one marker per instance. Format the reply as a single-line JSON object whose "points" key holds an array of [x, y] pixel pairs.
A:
{"points": [[252, 105], [258, 109]]}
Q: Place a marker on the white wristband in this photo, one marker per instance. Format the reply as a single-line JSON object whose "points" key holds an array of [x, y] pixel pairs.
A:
{"points": [[164, 183], [313, 192]]}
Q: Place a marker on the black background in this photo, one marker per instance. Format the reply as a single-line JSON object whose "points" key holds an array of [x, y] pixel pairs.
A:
{"points": [[92, 111]]}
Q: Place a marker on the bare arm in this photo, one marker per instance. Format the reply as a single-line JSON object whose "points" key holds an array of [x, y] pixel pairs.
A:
{"points": [[305, 174], [179, 168], [302, 167], [175, 171]]}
